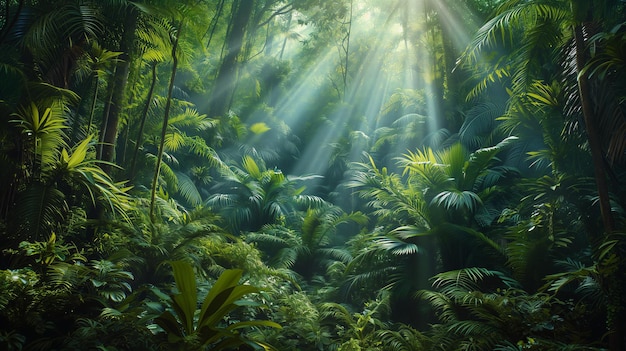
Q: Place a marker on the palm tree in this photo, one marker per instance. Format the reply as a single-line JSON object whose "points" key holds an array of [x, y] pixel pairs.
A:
{"points": [[56, 174], [452, 191], [43, 204], [437, 213], [307, 248], [168, 104], [252, 196], [97, 61], [176, 235], [182, 148]]}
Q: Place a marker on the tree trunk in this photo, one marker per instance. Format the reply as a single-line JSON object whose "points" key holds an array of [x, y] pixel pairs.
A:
{"points": [[227, 75], [450, 90], [166, 117], [94, 100], [282, 49], [214, 22], [111, 118], [346, 49], [592, 133], [142, 123], [610, 279]]}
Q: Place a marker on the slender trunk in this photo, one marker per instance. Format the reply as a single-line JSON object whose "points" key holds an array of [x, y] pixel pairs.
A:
{"points": [[166, 116], [93, 103], [214, 21], [142, 123], [282, 49], [224, 88], [593, 136], [113, 111], [610, 278], [121, 151], [105, 114], [347, 52], [269, 40], [449, 99]]}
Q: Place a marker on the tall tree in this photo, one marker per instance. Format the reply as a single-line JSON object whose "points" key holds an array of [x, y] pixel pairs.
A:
{"points": [[168, 104], [224, 86], [129, 15]]}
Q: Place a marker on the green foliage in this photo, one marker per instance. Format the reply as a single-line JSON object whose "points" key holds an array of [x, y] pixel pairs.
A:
{"points": [[12, 341], [44, 129], [358, 329], [110, 281], [147, 246], [207, 330], [307, 248], [78, 170], [46, 253], [40, 209], [89, 265], [483, 309], [300, 320], [36, 305], [435, 208], [252, 196], [545, 227], [405, 338]]}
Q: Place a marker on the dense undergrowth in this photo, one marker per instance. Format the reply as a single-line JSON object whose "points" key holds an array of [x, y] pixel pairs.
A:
{"points": [[135, 215]]}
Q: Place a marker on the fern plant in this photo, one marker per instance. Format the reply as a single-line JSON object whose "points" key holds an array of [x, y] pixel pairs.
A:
{"points": [[485, 309], [307, 248], [252, 195]]}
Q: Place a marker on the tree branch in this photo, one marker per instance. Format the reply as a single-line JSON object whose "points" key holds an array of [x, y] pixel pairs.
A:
{"points": [[281, 11]]}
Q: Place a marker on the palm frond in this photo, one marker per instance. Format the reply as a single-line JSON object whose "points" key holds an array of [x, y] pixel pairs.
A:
{"points": [[481, 159], [403, 339], [188, 118], [396, 246], [440, 138], [510, 17], [39, 208], [470, 328], [458, 200], [44, 125], [585, 277], [336, 313], [479, 125], [174, 140], [339, 254], [188, 189], [468, 279]]}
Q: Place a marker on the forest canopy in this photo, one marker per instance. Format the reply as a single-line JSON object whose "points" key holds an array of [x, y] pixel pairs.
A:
{"points": [[313, 175]]}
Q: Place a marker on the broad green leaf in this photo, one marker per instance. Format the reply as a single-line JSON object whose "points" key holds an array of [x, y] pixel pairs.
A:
{"points": [[170, 324], [244, 324], [79, 153], [228, 279], [224, 302], [186, 300], [251, 167]]}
